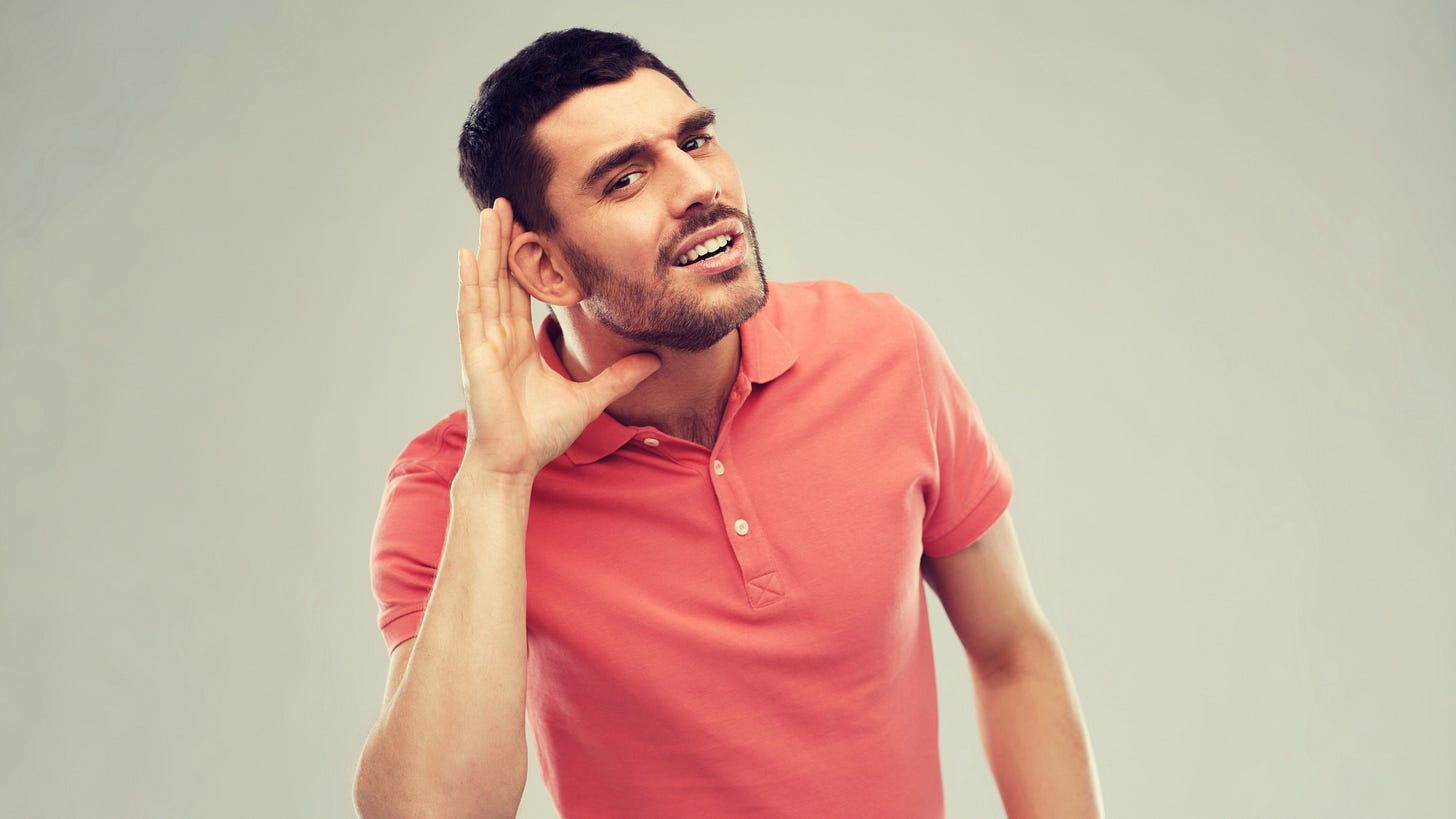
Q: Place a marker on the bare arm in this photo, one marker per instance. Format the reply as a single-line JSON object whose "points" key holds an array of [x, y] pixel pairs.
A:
{"points": [[1031, 723], [450, 740]]}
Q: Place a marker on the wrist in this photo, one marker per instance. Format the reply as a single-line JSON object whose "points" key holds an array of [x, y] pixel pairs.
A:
{"points": [[475, 478]]}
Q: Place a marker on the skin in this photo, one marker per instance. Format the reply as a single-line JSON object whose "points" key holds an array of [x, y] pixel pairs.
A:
{"points": [[669, 186], [440, 748]]}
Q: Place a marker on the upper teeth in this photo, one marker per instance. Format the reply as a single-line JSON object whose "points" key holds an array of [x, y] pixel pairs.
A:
{"points": [[715, 243]]}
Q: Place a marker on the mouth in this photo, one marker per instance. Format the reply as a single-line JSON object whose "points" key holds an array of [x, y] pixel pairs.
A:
{"points": [[708, 248], [718, 239]]}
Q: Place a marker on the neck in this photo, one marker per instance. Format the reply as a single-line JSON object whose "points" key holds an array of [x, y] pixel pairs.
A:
{"points": [[684, 398]]}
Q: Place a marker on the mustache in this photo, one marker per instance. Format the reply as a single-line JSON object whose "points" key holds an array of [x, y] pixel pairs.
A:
{"points": [[697, 222]]}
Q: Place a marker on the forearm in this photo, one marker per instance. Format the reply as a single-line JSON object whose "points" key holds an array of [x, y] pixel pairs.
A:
{"points": [[1034, 736], [452, 739]]}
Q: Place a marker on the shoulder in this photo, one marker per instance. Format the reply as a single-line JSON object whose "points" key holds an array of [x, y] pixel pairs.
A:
{"points": [[814, 312], [438, 450], [813, 298]]}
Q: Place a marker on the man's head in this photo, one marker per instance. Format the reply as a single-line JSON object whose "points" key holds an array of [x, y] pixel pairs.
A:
{"points": [[619, 186], [498, 156]]}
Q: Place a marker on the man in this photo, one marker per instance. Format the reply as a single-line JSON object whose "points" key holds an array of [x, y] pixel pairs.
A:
{"points": [[684, 529]]}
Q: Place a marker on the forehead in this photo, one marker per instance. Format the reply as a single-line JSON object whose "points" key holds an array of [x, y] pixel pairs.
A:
{"points": [[646, 106]]}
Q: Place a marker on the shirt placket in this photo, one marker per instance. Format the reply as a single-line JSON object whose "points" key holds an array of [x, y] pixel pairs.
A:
{"points": [[762, 582]]}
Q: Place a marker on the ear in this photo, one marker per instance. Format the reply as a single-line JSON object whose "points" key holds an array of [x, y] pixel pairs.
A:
{"points": [[533, 260]]}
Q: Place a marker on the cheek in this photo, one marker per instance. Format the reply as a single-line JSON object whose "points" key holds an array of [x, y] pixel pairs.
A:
{"points": [[622, 233], [728, 176], [635, 243], [654, 231]]}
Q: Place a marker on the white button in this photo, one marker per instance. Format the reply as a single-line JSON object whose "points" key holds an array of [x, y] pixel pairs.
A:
{"points": [[717, 467], [651, 441], [740, 526]]}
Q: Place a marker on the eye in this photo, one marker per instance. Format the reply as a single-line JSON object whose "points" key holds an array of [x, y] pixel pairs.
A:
{"points": [[697, 143], [625, 182]]}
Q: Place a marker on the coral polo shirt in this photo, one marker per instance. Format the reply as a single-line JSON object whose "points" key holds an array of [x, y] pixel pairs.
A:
{"points": [[741, 631]]}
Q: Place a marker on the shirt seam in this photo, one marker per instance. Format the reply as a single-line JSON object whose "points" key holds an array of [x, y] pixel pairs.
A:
{"points": [[930, 426], [929, 422], [424, 461], [975, 508]]}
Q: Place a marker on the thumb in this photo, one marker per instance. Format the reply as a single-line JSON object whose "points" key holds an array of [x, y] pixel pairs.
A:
{"points": [[619, 379]]}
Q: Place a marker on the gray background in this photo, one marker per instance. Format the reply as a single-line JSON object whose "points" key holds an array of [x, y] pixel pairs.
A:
{"points": [[1194, 262]]}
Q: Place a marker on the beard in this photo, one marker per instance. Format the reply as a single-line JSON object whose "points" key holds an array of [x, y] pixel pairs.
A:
{"points": [[656, 311]]}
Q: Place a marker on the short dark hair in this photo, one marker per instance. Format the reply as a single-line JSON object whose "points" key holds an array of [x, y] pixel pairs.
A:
{"points": [[499, 155]]}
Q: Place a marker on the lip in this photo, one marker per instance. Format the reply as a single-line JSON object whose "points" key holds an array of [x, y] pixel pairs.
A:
{"points": [[732, 227], [727, 260]]}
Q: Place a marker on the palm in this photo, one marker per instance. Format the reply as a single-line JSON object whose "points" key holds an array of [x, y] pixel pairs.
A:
{"points": [[521, 412]]}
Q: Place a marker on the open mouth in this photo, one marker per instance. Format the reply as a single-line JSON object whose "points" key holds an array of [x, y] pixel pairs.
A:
{"points": [[707, 249]]}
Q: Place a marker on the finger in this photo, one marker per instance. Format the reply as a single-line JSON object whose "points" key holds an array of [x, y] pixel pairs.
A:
{"points": [[619, 379], [467, 310], [487, 263], [506, 218]]}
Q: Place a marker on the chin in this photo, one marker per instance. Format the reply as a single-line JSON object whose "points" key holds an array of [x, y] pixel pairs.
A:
{"points": [[728, 276]]}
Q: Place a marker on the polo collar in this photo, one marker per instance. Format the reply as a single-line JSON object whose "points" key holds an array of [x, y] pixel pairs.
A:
{"points": [[764, 354]]}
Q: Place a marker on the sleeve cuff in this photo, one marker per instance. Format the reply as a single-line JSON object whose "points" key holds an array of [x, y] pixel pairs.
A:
{"points": [[982, 516]]}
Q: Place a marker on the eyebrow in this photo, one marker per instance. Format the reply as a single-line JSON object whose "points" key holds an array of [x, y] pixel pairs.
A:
{"points": [[696, 121]]}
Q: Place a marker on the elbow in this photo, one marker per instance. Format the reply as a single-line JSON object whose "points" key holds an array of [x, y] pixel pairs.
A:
{"points": [[386, 787], [1032, 652]]}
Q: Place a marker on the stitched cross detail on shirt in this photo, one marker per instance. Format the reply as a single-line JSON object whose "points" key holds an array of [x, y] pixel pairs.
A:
{"points": [[765, 590]]}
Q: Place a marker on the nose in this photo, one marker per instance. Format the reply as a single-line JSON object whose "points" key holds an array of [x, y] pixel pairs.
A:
{"points": [[696, 185]]}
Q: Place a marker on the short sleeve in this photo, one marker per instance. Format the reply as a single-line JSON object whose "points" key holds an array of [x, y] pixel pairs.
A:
{"points": [[972, 487], [409, 534]]}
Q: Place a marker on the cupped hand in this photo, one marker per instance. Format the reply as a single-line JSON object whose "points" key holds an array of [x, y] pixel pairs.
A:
{"points": [[521, 413]]}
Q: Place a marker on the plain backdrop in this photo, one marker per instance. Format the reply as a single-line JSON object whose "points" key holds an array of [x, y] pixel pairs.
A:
{"points": [[1194, 261]]}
